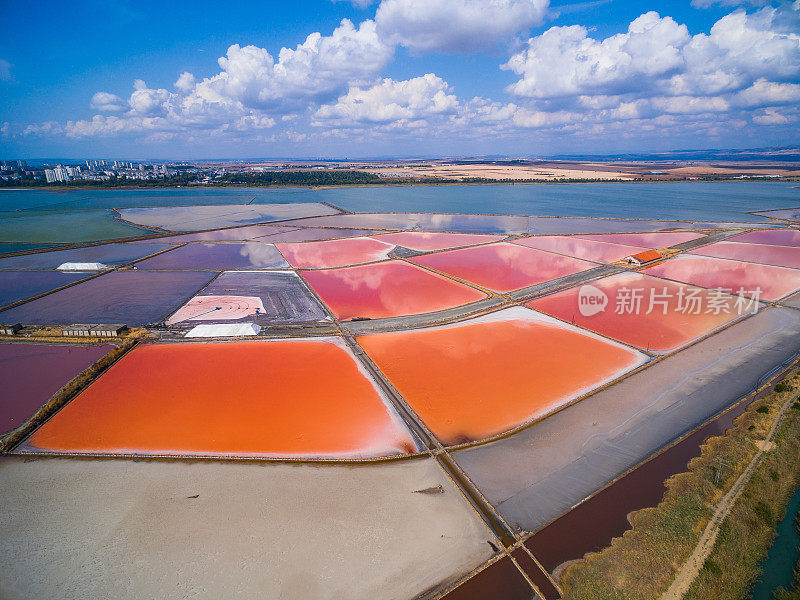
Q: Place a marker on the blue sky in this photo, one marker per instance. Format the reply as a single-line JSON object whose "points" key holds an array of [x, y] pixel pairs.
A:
{"points": [[397, 78]]}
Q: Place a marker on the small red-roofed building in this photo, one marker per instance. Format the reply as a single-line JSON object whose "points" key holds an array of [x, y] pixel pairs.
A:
{"points": [[643, 258]]}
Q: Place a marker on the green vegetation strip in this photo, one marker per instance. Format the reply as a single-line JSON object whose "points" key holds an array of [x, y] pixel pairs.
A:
{"points": [[642, 564]]}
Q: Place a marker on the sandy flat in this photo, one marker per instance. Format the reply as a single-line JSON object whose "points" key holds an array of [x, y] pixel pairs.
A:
{"points": [[86, 529], [495, 171]]}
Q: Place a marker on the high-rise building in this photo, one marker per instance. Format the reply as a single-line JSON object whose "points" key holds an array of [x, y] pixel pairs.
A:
{"points": [[58, 173]]}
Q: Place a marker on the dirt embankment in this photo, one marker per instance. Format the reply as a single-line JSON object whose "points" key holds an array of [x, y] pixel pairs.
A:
{"points": [[644, 562]]}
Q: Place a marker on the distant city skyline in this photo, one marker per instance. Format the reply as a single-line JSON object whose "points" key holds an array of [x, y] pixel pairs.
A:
{"points": [[396, 78]]}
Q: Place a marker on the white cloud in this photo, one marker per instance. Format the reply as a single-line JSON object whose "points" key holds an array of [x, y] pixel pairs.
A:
{"points": [[565, 61], [145, 101], [107, 102], [390, 101], [319, 69], [728, 3], [362, 4], [456, 25], [185, 82], [45, 128], [773, 116], [251, 89], [655, 79], [5, 70], [657, 57]]}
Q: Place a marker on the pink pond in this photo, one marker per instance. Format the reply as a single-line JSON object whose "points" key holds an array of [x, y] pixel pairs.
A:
{"points": [[647, 240], [739, 277], [212, 308], [780, 256], [777, 237], [603, 252], [427, 242], [503, 267], [334, 253], [647, 312], [387, 289]]}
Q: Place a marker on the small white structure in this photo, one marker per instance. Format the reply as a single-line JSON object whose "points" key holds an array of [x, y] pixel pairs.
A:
{"points": [[82, 266], [224, 330]]}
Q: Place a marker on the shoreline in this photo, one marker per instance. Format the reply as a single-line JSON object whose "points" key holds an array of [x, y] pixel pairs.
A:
{"points": [[664, 536], [66, 188]]}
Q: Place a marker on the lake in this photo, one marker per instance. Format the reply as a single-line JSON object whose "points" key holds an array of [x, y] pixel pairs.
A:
{"points": [[39, 216]]}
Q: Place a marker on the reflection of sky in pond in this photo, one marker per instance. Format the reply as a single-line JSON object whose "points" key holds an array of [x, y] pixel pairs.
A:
{"points": [[335, 253], [251, 255], [728, 201], [426, 222], [387, 289], [475, 379], [545, 225], [777, 237], [580, 248], [130, 297], [790, 214], [503, 267], [781, 256], [647, 240], [774, 282], [108, 254], [427, 242], [233, 234], [272, 398], [659, 327], [192, 218], [18, 285]]}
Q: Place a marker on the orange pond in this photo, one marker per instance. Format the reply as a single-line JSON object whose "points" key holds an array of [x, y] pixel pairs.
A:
{"points": [[488, 375], [388, 289], [503, 267], [278, 398], [334, 253], [427, 242], [750, 279], [653, 314]]}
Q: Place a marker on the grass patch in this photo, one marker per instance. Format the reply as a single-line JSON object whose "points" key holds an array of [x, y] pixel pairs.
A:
{"points": [[642, 563]]}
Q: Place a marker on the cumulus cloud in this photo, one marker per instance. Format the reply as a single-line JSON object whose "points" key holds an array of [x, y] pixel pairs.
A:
{"points": [[456, 25], [185, 82], [774, 116], [107, 102], [251, 89], [655, 78], [318, 69], [565, 61], [657, 56], [392, 100]]}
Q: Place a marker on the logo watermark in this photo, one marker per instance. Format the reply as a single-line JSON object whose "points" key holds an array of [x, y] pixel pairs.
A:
{"points": [[685, 300], [591, 300]]}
